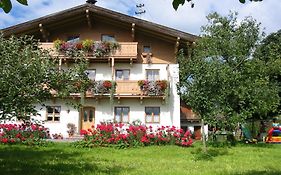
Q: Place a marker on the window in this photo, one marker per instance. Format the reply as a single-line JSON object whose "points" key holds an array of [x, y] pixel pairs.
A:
{"points": [[152, 74], [74, 38], [88, 115], [122, 74], [53, 113], [146, 49], [107, 38], [91, 73], [152, 114], [122, 114]]}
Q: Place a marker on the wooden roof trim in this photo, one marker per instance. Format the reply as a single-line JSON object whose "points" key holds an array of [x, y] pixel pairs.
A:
{"points": [[99, 11], [29, 25]]}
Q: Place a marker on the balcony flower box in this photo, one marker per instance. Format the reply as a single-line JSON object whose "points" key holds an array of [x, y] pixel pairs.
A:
{"points": [[103, 87], [89, 47], [150, 88]]}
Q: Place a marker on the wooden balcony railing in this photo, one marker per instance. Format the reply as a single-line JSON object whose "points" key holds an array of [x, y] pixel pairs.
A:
{"points": [[128, 50], [128, 87], [150, 88]]}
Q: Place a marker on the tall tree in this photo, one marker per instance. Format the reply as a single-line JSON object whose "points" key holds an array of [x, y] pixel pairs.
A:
{"points": [[221, 81], [269, 51], [29, 74]]}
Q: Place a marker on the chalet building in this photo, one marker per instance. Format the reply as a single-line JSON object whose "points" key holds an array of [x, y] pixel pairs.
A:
{"points": [[146, 51], [190, 121]]}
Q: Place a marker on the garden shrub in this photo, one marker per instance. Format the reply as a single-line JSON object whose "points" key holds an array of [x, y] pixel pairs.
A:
{"points": [[27, 134], [123, 136]]}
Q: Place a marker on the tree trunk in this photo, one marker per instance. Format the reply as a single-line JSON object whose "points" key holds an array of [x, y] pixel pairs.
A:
{"points": [[203, 136]]}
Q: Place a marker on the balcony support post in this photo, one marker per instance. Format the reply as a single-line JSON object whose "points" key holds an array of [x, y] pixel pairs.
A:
{"points": [[97, 100], [88, 18], [177, 46], [44, 32], [60, 63], [131, 62], [112, 68], [163, 100], [141, 100], [133, 31]]}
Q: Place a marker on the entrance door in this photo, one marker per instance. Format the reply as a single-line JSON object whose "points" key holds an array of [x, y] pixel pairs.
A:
{"points": [[87, 117]]}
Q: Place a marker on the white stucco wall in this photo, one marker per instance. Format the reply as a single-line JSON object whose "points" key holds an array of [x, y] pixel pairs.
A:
{"points": [[169, 112]]}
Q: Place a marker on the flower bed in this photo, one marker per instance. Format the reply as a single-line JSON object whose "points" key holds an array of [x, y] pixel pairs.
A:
{"points": [[123, 136], [92, 48], [27, 134], [158, 87]]}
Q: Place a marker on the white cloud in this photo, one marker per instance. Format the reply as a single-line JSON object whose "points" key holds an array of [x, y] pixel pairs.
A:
{"points": [[159, 11]]}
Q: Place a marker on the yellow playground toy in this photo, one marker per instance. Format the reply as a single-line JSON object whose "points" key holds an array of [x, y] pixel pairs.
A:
{"points": [[274, 134]]}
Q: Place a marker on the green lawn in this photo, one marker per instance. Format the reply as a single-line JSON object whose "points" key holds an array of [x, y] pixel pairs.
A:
{"points": [[60, 158]]}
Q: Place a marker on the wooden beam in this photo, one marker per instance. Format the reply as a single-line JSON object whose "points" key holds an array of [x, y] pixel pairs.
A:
{"points": [[141, 100], [44, 32], [177, 45], [133, 31], [88, 18], [112, 69]]}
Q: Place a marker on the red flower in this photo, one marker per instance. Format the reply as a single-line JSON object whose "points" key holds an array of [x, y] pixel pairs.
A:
{"points": [[107, 84], [18, 135], [4, 140], [144, 139], [83, 132]]}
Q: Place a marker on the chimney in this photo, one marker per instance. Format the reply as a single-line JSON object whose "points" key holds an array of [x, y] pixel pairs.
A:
{"points": [[91, 1]]}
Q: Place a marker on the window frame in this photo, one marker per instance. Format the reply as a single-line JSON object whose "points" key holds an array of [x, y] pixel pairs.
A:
{"points": [[53, 115], [110, 35], [146, 74], [121, 117], [122, 74], [152, 115], [73, 36], [88, 74], [146, 45]]}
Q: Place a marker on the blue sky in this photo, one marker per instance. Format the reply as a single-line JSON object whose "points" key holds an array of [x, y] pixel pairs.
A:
{"points": [[186, 19]]}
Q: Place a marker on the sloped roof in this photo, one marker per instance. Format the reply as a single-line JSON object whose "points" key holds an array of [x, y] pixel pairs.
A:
{"points": [[186, 113], [78, 12]]}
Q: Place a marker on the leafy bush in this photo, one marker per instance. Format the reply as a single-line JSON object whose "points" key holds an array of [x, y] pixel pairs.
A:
{"points": [[123, 136], [27, 134]]}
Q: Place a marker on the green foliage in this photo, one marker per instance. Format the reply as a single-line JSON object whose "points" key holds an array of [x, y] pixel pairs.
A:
{"points": [[29, 74], [6, 5], [222, 82], [177, 3], [269, 52]]}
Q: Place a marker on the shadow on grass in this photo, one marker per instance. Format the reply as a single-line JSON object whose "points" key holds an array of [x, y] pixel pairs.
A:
{"points": [[257, 145], [200, 155], [256, 172], [18, 160]]}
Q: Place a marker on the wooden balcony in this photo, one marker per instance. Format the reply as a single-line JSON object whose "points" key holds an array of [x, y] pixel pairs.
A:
{"points": [[128, 87], [127, 51], [131, 89]]}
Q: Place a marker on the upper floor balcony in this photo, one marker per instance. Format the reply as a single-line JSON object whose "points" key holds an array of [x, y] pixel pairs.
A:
{"points": [[127, 89], [97, 52]]}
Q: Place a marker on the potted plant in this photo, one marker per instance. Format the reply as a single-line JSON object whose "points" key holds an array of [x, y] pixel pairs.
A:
{"points": [[88, 45], [71, 129], [58, 43]]}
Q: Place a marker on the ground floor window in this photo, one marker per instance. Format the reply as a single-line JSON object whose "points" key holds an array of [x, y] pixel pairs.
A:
{"points": [[152, 114], [121, 114], [53, 113]]}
